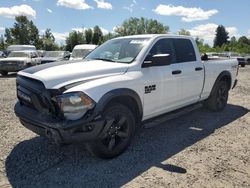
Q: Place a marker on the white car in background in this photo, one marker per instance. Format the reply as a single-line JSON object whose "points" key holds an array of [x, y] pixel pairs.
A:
{"points": [[81, 51], [18, 47], [19, 60]]}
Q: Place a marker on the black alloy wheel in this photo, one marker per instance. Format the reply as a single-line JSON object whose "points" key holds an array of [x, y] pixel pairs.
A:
{"points": [[117, 133], [218, 98]]}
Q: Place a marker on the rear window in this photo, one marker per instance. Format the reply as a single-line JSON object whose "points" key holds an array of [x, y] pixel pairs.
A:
{"points": [[184, 50]]}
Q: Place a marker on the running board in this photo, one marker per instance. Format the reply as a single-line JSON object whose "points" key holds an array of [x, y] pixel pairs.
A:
{"points": [[171, 115]]}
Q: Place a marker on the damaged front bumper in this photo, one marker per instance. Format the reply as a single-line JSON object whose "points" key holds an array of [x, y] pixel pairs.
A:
{"points": [[60, 131]]}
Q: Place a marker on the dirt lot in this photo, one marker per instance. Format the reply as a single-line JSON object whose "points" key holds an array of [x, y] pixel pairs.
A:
{"points": [[200, 149]]}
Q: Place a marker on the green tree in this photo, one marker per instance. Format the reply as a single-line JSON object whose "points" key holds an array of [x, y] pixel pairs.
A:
{"points": [[74, 38], [49, 35], [97, 35], [133, 26], [221, 36], [203, 48], [244, 40], [2, 43], [23, 32], [184, 32], [199, 41], [48, 41], [88, 35], [8, 37], [109, 36], [62, 47], [233, 39]]}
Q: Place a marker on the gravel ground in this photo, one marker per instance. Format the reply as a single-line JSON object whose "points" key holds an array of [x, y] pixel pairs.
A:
{"points": [[199, 149]]}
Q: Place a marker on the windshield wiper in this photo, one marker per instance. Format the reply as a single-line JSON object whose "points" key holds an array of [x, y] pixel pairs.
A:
{"points": [[103, 59]]}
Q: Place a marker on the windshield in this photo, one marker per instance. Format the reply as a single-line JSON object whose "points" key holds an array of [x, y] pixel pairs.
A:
{"points": [[119, 50], [18, 54], [53, 54], [80, 53]]}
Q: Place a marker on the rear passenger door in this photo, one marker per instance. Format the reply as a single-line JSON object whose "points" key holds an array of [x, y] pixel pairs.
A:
{"points": [[190, 71]]}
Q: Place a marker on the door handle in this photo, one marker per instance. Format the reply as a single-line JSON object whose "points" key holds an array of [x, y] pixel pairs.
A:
{"points": [[198, 68], [176, 72]]}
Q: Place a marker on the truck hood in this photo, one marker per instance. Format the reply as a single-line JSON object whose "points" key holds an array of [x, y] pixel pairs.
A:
{"points": [[15, 59], [59, 74]]}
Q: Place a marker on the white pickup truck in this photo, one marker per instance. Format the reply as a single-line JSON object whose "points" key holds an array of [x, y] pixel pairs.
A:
{"points": [[125, 81], [19, 60]]}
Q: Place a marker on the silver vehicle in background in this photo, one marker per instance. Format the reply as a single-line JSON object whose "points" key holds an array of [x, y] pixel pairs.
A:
{"points": [[18, 60], [52, 56], [41, 53], [231, 55], [241, 59], [81, 51], [247, 58]]}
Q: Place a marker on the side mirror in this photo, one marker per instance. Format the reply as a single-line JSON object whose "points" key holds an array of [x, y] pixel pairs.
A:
{"points": [[204, 57], [157, 60]]}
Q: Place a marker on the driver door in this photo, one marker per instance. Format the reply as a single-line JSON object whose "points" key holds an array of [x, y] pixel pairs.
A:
{"points": [[162, 86]]}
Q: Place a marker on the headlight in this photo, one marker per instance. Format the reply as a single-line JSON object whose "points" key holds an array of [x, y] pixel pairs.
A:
{"points": [[75, 105]]}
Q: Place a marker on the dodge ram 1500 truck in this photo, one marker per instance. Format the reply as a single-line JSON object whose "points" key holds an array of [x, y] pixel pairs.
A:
{"points": [[100, 100]]}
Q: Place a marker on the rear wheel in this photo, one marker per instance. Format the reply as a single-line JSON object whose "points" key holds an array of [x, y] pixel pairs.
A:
{"points": [[218, 99], [4, 73], [117, 133]]}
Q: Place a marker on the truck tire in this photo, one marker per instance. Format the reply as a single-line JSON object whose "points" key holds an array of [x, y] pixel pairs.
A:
{"points": [[117, 135], [218, 98], [29, 65], [4, 73]]}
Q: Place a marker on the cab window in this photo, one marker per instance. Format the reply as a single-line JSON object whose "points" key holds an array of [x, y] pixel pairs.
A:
{"points": [[184, 50], [163, 46]]}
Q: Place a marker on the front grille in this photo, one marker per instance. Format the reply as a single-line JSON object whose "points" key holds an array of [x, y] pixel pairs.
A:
{"points": [[11, 62], [32, 93]]}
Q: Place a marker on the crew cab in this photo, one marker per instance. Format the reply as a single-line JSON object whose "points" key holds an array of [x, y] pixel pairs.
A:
{"points": [[18, 60], [124, 82]]}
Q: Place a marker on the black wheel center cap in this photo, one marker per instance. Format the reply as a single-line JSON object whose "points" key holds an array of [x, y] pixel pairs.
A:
{"points": [[113, 130]]}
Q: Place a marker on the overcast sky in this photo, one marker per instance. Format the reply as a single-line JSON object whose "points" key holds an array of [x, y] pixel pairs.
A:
{"points": [[200, 17]]}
